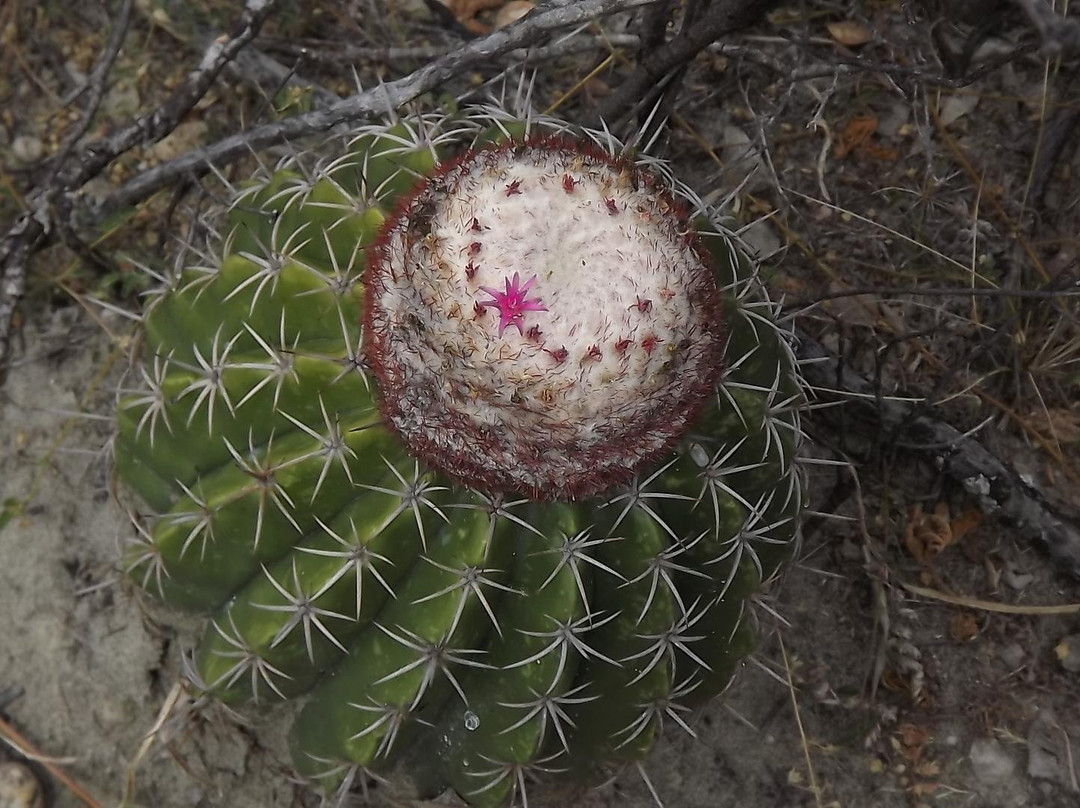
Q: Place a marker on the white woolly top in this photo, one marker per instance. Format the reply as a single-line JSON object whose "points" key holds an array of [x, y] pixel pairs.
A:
{"points": [[552, 300]]}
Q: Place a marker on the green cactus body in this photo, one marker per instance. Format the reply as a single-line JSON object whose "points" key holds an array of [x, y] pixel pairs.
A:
{"points": [[503, 498]]}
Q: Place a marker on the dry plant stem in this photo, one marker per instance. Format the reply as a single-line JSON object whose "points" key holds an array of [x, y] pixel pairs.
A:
{"points": [[154, 126], [815, 789], [1060, 35], [722, 17], [1056, 135], [996, 204], [23, 746], [251, 66], [554, 15], [166, 710], [32, 227], [918, 291], [996, 487], [989, 605], [653, 25], [342, 54], [95, 84]]}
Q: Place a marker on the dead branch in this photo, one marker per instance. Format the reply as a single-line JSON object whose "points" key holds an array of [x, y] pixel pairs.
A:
{"points": [[53, 200], [251, 66], [95, 83], [1060, 35], [555, 15], [639, 90], [996, 487]]}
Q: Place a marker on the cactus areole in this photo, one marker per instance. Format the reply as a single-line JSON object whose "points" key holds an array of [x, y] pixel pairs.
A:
{"points": [[468, 433], [562, 385]]}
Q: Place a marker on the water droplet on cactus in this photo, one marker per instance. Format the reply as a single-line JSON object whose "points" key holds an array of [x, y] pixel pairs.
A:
{"points": [[472, 720]]}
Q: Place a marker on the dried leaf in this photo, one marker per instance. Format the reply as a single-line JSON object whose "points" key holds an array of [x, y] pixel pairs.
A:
{"points": [[856, 132], [963, 627], [928, 768], [466, 11], [849, 33], [512, 12], [893, 681], [956, 107], [853, 310], [913, 741], [965, 523], [875, 151], [923, 789], [927, 534]]}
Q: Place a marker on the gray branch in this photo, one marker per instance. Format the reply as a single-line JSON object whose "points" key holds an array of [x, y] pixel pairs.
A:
{"points": [[77, 167], [1060, 35], [552, 16], [995, 486], [95, 83], [156, 125]]}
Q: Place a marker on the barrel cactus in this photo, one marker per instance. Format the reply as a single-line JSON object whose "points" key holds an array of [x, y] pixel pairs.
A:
{"points": [[478, 434]]}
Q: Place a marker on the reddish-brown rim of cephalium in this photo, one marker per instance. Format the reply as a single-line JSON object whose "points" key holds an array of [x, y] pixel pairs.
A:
{"points": [[606, 475]]}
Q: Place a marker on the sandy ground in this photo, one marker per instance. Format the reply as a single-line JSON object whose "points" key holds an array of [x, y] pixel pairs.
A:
{"points": [[974, 709]]}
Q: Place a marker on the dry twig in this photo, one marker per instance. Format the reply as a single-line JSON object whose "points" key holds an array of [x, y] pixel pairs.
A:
{"points": [[21, 744], [996, 487], [639, 90], [1060, 35], [990, 605], [52, 203]]}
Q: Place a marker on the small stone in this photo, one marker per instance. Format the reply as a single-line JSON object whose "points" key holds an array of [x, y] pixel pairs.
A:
{"points": [[1012, 655], [958, 106], [762, 239], [27, 149], [19, 788], [183, 138], [120, 101], [990, 762], [742, 158], [1047, 752], [1068, 653], [1016, 577]]}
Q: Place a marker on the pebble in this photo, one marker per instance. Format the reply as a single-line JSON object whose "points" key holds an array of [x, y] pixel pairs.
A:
{"points": [[1012, 655], [19, 788], [1068, 653], [1016, 577], [27, 149], [990, 762], [742, 158], [1047, 753]]}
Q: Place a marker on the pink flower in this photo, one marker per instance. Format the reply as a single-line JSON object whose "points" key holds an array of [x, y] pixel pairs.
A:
{"points": [[512, 303]]}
